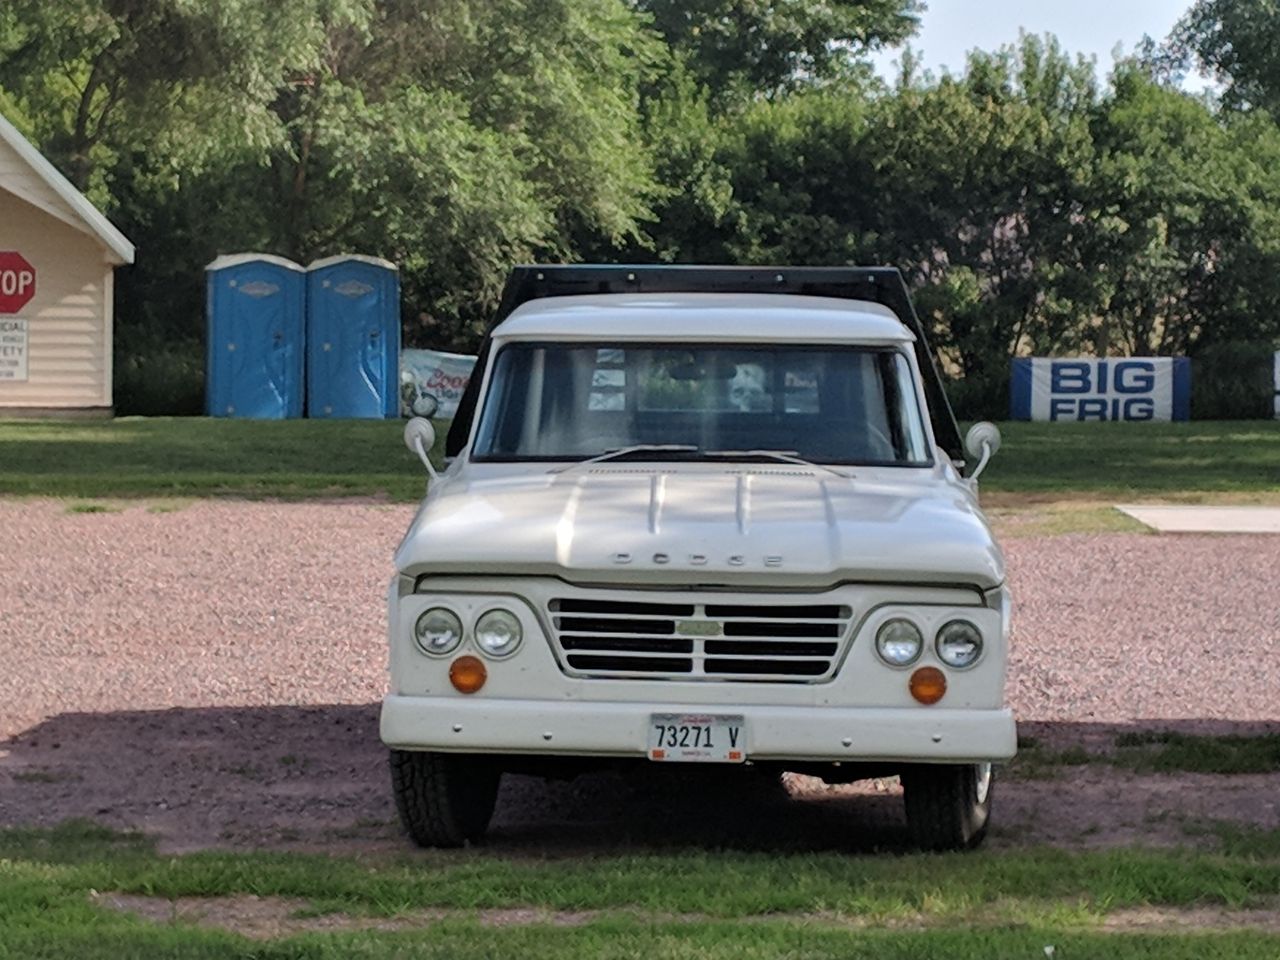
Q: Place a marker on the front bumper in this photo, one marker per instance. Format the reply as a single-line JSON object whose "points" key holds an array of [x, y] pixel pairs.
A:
{"points": [[609, 729]]}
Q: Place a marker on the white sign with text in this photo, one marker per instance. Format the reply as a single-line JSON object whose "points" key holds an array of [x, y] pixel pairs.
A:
{"points": [[1091, 388], [13, 348]]}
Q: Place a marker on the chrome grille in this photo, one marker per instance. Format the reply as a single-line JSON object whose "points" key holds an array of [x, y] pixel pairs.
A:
{"points": [[789, 641]]}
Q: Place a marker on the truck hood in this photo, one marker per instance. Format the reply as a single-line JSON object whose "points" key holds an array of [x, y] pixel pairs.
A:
{"points": [[773, 527]]}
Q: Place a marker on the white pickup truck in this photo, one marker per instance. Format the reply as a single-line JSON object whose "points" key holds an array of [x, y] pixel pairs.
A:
{"points": [[700, 515]]}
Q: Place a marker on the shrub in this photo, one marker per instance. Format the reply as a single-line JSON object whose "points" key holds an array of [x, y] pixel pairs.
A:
{"points": [[979, 398], [159, 379], [1232, 380]]}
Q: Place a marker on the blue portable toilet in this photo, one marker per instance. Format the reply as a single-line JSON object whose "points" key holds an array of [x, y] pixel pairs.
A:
{"points": [[353, 337], [256, 309]]}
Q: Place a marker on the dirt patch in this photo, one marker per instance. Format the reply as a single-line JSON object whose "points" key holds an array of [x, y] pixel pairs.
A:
{"points": [[1015, 499], [271, 918], [258, 918], [214, 778], [212, 677], [1060, 517], [1190, 919]]}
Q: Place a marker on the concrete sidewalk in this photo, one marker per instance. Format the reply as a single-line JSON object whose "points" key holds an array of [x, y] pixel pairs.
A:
{"points": [[1189, 519]]}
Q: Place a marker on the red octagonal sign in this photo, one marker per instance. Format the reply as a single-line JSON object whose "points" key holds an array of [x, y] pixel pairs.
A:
{"points": [[17, 281]]}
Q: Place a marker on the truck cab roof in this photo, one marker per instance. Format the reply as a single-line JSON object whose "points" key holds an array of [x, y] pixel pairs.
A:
{"points": [[856, 305], [718, 317]]}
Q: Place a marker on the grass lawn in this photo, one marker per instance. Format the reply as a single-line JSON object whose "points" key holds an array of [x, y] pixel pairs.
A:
{"points": [[1156, 751], [160, 457], [1177, 460], [53, 885], [196, 457]]}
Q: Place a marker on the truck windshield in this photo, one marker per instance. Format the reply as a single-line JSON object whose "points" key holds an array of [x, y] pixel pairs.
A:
{"points": [[828, 404]]}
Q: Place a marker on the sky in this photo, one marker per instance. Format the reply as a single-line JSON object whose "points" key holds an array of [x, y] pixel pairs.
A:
{"points": [[950, 28]]}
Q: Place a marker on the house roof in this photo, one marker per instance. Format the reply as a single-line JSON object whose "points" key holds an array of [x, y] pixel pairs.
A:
{"points": [[88, 216]]}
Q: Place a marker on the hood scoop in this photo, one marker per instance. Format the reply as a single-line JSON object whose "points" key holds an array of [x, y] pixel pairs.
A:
{"points": [[763, 471], [748, 471]]}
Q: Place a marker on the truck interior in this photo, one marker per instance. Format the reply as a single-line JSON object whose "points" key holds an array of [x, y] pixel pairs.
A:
{"points": [[883, 285], [829, 404]]}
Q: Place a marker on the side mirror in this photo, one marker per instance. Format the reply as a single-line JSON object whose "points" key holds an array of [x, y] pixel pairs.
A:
{"points": [[420, 437], [980, 436], [981, 443]]}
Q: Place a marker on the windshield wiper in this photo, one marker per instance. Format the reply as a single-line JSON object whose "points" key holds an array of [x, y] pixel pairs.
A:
{"points": [[634, 448], [783, 456]]}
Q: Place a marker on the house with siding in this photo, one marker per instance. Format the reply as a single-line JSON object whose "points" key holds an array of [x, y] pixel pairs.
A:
{"points": [[58, 256]]}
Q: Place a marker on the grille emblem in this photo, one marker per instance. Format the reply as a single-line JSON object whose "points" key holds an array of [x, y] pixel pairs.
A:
{"points": [[698, 628]]}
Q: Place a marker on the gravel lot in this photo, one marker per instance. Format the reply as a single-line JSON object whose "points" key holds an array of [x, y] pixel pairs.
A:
{"points": [[211, 673]]}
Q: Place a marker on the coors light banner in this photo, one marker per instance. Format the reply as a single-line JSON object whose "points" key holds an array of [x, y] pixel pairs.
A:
{"points": [[1117, 388], [431, 382]]}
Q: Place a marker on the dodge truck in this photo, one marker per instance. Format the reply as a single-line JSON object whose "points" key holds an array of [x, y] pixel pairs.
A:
{"points": [[701, 515]]}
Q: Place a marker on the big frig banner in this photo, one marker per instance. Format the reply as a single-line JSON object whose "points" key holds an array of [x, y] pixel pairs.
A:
{"points": [[1117, 388], [431, 382]]}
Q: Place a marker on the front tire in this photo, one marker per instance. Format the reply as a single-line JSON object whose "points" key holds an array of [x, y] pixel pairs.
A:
{"points": [[948, 805], [444, 799]]}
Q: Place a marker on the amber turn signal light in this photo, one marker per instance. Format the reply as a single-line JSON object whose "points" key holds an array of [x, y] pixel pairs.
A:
{"points": [[467, 674], [928, 684]]}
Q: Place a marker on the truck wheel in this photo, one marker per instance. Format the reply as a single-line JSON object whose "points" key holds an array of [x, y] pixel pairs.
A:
{"points": [[948, 806], [444, 799]]}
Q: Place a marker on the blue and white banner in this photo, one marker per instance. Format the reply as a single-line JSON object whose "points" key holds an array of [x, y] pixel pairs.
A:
{"points": [[1275, 381], [431, 382], [1118, 388]]}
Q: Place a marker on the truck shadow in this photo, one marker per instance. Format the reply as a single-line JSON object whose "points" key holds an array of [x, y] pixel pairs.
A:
{"points": [[315, 778]]}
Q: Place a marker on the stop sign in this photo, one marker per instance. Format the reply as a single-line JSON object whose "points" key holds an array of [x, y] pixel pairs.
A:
{"points": [[17, 281]]}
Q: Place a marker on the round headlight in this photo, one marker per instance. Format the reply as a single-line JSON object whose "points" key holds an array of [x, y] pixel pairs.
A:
{"points": [[959, 643], [899, 642], [498, 633], [438, 632]]}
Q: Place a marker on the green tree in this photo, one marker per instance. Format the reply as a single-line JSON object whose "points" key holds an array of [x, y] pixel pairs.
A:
{"points": [[451, 137], [1032, 212], [460, 139], [983, 184], [93, 78], [1236, 41], [1176, 215], [975, 186], [738, 48]]}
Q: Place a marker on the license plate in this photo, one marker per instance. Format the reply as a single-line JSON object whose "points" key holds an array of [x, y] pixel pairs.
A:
{"points": [[697, 738]]}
